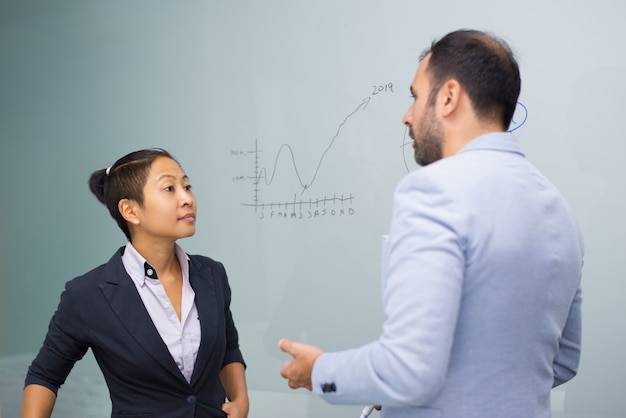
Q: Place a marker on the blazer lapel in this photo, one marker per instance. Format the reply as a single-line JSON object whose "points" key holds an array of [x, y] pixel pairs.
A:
{"points": [[122, 295], [207, 306]]}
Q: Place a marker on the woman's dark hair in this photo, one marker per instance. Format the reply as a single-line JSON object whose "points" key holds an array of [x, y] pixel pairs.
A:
{"points": [[485, 67], [124, 180]]}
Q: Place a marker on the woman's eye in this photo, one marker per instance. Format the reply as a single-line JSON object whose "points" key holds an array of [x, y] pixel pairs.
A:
{"points": [[188, 187], [169, 189]]}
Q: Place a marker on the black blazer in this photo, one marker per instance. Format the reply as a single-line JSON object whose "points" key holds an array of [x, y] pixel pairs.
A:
{"points": [[102, 310]]}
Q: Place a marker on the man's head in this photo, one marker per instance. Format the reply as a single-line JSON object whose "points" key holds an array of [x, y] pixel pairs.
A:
{"points": [[463, 65]]}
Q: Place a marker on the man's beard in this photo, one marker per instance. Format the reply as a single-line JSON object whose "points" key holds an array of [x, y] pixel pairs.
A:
{"points": [[427, 142]]}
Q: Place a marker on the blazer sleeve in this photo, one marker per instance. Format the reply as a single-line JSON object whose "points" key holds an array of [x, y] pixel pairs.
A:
{"points": [[565, 365], [63, 345], [422, 284], [233, 353]]}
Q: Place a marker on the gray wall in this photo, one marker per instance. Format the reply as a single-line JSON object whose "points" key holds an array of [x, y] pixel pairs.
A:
{"points": [[270, 108]]}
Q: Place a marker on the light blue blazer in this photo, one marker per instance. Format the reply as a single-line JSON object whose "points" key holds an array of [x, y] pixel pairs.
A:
{"points": [[481, 294]]}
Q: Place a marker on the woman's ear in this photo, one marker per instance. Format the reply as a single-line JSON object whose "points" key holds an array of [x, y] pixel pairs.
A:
{"points": [[128, 209]]}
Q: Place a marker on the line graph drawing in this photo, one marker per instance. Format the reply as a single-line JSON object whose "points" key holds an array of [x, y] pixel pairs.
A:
{"points": [[311, 208], [261, 173], [300, 205]]}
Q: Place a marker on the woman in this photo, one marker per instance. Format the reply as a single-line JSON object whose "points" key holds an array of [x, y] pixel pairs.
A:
{"points": [[157, 320]]}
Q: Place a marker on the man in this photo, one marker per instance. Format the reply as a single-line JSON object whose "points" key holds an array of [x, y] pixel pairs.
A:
{"points": [[482, 268]]}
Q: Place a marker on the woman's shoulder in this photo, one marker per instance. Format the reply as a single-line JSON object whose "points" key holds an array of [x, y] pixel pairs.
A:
{"points": [[202, 262], [103, 272]]}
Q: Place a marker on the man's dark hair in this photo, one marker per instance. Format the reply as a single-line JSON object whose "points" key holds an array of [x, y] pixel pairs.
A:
{"points": [[484, 65]]}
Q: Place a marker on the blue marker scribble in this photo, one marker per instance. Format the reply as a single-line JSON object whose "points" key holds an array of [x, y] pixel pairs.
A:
{"points": [[519, 118]]}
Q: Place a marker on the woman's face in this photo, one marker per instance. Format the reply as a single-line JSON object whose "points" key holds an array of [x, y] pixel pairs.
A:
{"points": [[169, 206]]}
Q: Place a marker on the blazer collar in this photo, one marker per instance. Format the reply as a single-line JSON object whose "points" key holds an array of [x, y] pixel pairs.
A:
{"points": [[200, 278], [119, 289], [494, 141]]}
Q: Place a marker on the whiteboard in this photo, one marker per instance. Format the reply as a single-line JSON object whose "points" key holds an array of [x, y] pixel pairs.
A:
{"points": [[287, 117]]}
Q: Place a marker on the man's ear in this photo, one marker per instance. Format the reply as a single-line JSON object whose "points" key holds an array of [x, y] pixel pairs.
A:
{"points": [[128, 209], [449, 97]]}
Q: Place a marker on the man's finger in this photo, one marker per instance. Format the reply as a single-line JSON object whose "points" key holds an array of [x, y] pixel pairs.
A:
{"points": [[286, 346]]}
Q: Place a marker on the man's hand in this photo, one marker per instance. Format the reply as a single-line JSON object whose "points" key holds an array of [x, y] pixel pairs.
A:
{"points": [[298, 371]]}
